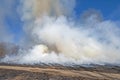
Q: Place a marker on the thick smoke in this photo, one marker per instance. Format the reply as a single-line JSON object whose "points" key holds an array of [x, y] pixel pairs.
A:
{"points": [[57, 39], [32, 9]]}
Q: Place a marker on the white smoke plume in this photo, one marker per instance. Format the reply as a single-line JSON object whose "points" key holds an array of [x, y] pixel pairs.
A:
{"points": [[57, 39]]}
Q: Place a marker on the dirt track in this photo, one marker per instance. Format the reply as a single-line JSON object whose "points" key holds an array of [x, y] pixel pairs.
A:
{"points": [[39, 73]]}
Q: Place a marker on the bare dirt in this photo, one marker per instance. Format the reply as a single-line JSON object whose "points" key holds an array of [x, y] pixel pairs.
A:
{"points": [[26, 72]]}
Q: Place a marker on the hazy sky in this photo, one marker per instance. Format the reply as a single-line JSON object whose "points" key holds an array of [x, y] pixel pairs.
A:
{"points": [[11, 25]]}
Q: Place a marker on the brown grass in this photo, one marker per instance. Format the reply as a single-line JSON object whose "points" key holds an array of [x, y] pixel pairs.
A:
{"points": [[41, 73]]}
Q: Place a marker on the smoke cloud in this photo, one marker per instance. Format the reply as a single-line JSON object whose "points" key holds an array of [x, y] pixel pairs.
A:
{"points": [[57, 39], [32, 9]]}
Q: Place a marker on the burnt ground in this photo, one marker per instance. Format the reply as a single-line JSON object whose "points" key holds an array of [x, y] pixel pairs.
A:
{"points": [[58, 72]]}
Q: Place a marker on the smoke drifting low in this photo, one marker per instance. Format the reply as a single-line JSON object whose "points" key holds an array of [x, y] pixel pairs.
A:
{"points": [[57, 39]]}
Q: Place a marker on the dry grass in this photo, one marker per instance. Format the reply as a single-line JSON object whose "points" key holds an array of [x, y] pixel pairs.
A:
{"points": [[48, 73]]}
